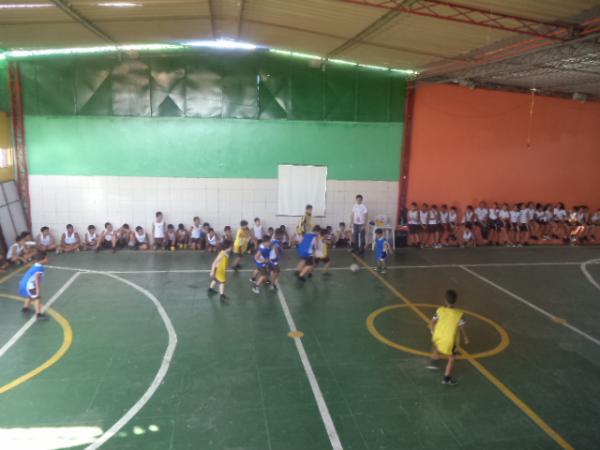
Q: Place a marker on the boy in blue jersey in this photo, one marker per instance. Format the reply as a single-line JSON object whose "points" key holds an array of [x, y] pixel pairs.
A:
{"points": [[274, 256], [306, 250], [261, 258], [30, 285], [382, 249]]}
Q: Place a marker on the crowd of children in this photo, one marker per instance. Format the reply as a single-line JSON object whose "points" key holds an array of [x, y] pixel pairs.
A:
{"points": [[517, 225]]}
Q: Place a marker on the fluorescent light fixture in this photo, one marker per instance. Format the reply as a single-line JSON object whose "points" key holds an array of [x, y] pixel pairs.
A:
{"points": [[118, 4], [221, 43], [295, 54], [89, 50], [369, 66], [405, 71], [25, 5], [342, 61]]}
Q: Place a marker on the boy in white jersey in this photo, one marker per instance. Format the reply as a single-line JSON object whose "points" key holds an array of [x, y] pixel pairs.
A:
{"points": [[123, 236], [140, 239], [45, 241], [195, 234], [495, 225], [212, 241], [414, 225], [108, 239], [514, 224], [159, 231], [18, 252], [482, 215], [69, 241], [523, 225], [504, 219], [452, 226], [91, 238], [182, 237], [171, 239], [423, 220], [444, 225], [433, 227], [257, 232]]}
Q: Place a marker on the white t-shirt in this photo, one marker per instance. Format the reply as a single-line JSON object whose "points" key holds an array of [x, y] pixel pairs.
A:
{"points": [[90, 237], [70, 238], [514, 216], [524, 216], [560, 214], [444, 217], [433, 217], [359, 214], [596, 218], [159, 230], [493, 214], [45, 240], [258, 232], [452, 217], [413, 217], [482, 214], [15, 248], [468, 217], [504, 214]]}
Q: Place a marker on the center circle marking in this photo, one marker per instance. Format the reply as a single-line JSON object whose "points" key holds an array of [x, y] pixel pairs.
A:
{"points": [[504, 339]]}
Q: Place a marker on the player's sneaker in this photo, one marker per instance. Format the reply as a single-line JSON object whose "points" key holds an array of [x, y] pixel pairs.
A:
{"points": [[41, 316], [211, 291], [433, 365], [256, 290], [25, 310], [223, 298], [449, 381]]}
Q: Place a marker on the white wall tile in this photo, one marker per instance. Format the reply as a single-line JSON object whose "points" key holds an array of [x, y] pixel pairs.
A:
{"points": [[57, 200]]}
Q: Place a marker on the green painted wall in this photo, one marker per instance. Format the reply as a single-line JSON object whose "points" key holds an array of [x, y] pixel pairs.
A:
{"points": [[4, 97], [213, 148]]}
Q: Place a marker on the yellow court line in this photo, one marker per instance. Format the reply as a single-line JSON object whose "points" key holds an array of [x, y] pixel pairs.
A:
{"points": [[66, 344], [14, 272], [502, 345], [485, 372]]}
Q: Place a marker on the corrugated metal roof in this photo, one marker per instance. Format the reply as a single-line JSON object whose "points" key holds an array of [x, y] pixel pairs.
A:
{"points": [[362, 33]]}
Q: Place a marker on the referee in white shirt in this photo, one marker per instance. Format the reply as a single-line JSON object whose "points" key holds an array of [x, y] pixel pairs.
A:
{"points": [[359, 222]]}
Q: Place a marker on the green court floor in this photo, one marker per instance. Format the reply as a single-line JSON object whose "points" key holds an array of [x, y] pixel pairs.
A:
{"points": [[137, 356]]}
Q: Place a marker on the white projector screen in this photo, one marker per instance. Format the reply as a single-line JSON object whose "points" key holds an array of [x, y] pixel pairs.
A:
{"points": [[300, 186]]}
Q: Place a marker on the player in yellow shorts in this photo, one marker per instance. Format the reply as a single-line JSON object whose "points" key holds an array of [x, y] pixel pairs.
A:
{"points": [[446, 327], [218, 270], [240, 245]]}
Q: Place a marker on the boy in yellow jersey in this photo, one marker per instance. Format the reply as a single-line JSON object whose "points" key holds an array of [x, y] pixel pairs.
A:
{"points": [[446, 327], [305, 224], [240, 245], [218, 270], [322, 251]]}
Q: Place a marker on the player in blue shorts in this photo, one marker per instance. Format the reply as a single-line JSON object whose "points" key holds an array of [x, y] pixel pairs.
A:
{"points": [[306, 250], [274, 257], [261, 258], [382, 250], [30, 285]]}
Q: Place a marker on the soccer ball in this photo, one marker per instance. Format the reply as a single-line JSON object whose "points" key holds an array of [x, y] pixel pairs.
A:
{"points": [[354, 267]]}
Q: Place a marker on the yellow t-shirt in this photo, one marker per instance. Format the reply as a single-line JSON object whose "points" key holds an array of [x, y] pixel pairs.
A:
{"points": [[242, 238], [446, 333], [221, 272], [305, 225]]}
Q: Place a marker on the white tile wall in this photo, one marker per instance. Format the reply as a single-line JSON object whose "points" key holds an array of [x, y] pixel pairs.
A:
{"points": [[58, 200]]}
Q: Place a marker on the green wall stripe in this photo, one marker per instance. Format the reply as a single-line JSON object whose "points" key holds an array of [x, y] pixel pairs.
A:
{"points": [[210, 148]]}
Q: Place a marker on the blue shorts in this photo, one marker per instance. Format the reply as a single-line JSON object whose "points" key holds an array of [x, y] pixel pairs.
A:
{"points": [[382, 257]]}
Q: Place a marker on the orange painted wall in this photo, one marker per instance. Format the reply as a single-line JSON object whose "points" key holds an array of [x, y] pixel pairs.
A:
{"points": [[469, 145]]}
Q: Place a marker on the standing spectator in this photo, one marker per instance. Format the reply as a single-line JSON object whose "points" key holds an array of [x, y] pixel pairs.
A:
{"points": [[359, 222]]}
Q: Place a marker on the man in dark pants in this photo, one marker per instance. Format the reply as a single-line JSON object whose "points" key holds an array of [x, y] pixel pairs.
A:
{"points": [[359, 223]]}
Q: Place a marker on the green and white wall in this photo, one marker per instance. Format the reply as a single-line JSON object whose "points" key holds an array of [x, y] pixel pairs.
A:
{"points": [[113, 139]]}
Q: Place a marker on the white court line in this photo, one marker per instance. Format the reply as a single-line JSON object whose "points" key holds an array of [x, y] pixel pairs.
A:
{"points": [[158, 378], [19, 334], [532, 306], [422, 266], [589, 275], [312, 379]]}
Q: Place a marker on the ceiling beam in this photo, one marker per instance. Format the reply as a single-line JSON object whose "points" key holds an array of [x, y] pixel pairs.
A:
{"points": [[365, 33], [448, 11], [212, 19], [241, 19], [73, 14]]}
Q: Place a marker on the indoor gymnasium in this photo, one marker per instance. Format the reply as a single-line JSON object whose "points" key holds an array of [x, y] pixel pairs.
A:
{"points": [[299, 224]]}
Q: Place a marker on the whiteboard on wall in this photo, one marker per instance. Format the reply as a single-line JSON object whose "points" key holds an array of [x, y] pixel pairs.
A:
{"points": [[299, 186]]}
